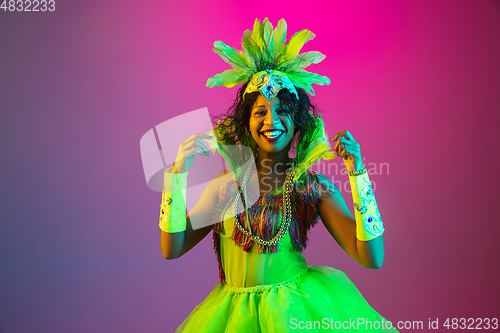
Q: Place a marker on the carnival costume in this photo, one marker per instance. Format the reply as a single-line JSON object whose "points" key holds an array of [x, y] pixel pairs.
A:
{"points": [[266, 284]]}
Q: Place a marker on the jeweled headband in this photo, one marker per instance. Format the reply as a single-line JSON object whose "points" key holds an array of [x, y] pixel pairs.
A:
{"points": [[269, 83], [270, 62]]}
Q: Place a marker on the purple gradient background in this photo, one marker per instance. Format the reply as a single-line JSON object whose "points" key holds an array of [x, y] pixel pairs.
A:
{"points": [[416, 82]]}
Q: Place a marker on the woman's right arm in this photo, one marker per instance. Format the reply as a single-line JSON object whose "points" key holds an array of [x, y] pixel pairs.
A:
{"points": [[175, 244]]}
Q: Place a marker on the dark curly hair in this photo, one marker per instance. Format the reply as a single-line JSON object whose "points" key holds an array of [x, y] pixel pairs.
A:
{"points": [[236, 121]]}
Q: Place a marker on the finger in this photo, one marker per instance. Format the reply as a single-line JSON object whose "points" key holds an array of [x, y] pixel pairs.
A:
{"points": [[196, 150], [342, 146], [199, 136], [197, 147], [201, 151], [338, 135], [347, 143], [336, 147], [344, 143], [349, 136], [204, 136], [344, 140], [198, 143], [202, 146]]}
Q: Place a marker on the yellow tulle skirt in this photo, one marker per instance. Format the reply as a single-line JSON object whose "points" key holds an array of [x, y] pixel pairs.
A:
{"points": [[320, 299]]}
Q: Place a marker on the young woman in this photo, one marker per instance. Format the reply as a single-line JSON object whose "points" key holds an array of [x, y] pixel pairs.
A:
{"points": [[264, 212]]}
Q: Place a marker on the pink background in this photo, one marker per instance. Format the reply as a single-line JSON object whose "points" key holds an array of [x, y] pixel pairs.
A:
{"points": [[416, 82]]}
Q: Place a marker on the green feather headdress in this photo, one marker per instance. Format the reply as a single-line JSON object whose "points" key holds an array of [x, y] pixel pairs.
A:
{"points": [[266, 49]]}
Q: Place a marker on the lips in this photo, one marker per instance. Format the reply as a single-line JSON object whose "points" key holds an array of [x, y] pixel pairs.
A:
{"points": [[272, 134]]}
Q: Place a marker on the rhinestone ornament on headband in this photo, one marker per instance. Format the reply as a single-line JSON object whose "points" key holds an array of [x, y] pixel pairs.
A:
{"points": [[269, 83]]}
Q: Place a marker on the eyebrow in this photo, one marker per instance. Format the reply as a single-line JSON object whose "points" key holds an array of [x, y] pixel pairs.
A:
{"points": [[263, 106]]}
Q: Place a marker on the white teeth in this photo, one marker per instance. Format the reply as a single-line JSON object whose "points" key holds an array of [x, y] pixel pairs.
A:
{"points": [[272, 135]]}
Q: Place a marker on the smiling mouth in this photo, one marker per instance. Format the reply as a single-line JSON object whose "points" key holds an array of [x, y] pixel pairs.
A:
{"points": [[272, 135]]}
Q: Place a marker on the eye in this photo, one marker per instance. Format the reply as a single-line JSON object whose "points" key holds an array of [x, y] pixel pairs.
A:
{"points": [[284, 112], [260, 112]]}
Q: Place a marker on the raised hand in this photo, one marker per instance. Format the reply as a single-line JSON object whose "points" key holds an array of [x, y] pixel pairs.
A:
{"points": [[188, 150], [347, 148]]}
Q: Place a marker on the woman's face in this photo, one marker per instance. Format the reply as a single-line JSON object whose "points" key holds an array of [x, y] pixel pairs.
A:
{"points": [[271, 125]]}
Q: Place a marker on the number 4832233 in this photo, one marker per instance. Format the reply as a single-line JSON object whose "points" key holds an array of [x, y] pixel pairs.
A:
{"points": [[28, 5]]}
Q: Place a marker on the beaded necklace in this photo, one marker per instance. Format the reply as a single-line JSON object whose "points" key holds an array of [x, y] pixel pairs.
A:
{"points": [[287, 210]]}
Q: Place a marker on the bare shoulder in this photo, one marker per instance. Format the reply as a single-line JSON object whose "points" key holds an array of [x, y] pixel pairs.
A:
{"points": [[331, 200], [219, 181], [323, 186], [223, 173], [209, 199], [222, 177]]}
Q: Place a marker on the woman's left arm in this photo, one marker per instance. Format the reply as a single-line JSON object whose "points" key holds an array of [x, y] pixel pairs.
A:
{"points": [[339, 221], [360, 237]]}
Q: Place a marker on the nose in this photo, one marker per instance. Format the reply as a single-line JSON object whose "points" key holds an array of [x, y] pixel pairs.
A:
{"points": [[272, 118]]}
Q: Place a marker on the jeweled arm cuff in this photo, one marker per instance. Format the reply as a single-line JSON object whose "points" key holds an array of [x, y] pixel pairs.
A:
{"points": [[173, 202], [368, 221]]}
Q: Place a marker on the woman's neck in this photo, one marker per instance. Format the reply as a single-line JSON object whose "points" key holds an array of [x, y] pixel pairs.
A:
{"points": [[272, 163]]}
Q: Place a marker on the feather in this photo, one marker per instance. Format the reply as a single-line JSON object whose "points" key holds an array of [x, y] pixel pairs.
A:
{"points": [[303, 76], [250, 49], [305, 59], [296, 42], [257, 35], [228, 78], [267, 30], [219, 131], [278, 39], [230, 55], [317, 147], [250, 46]]}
